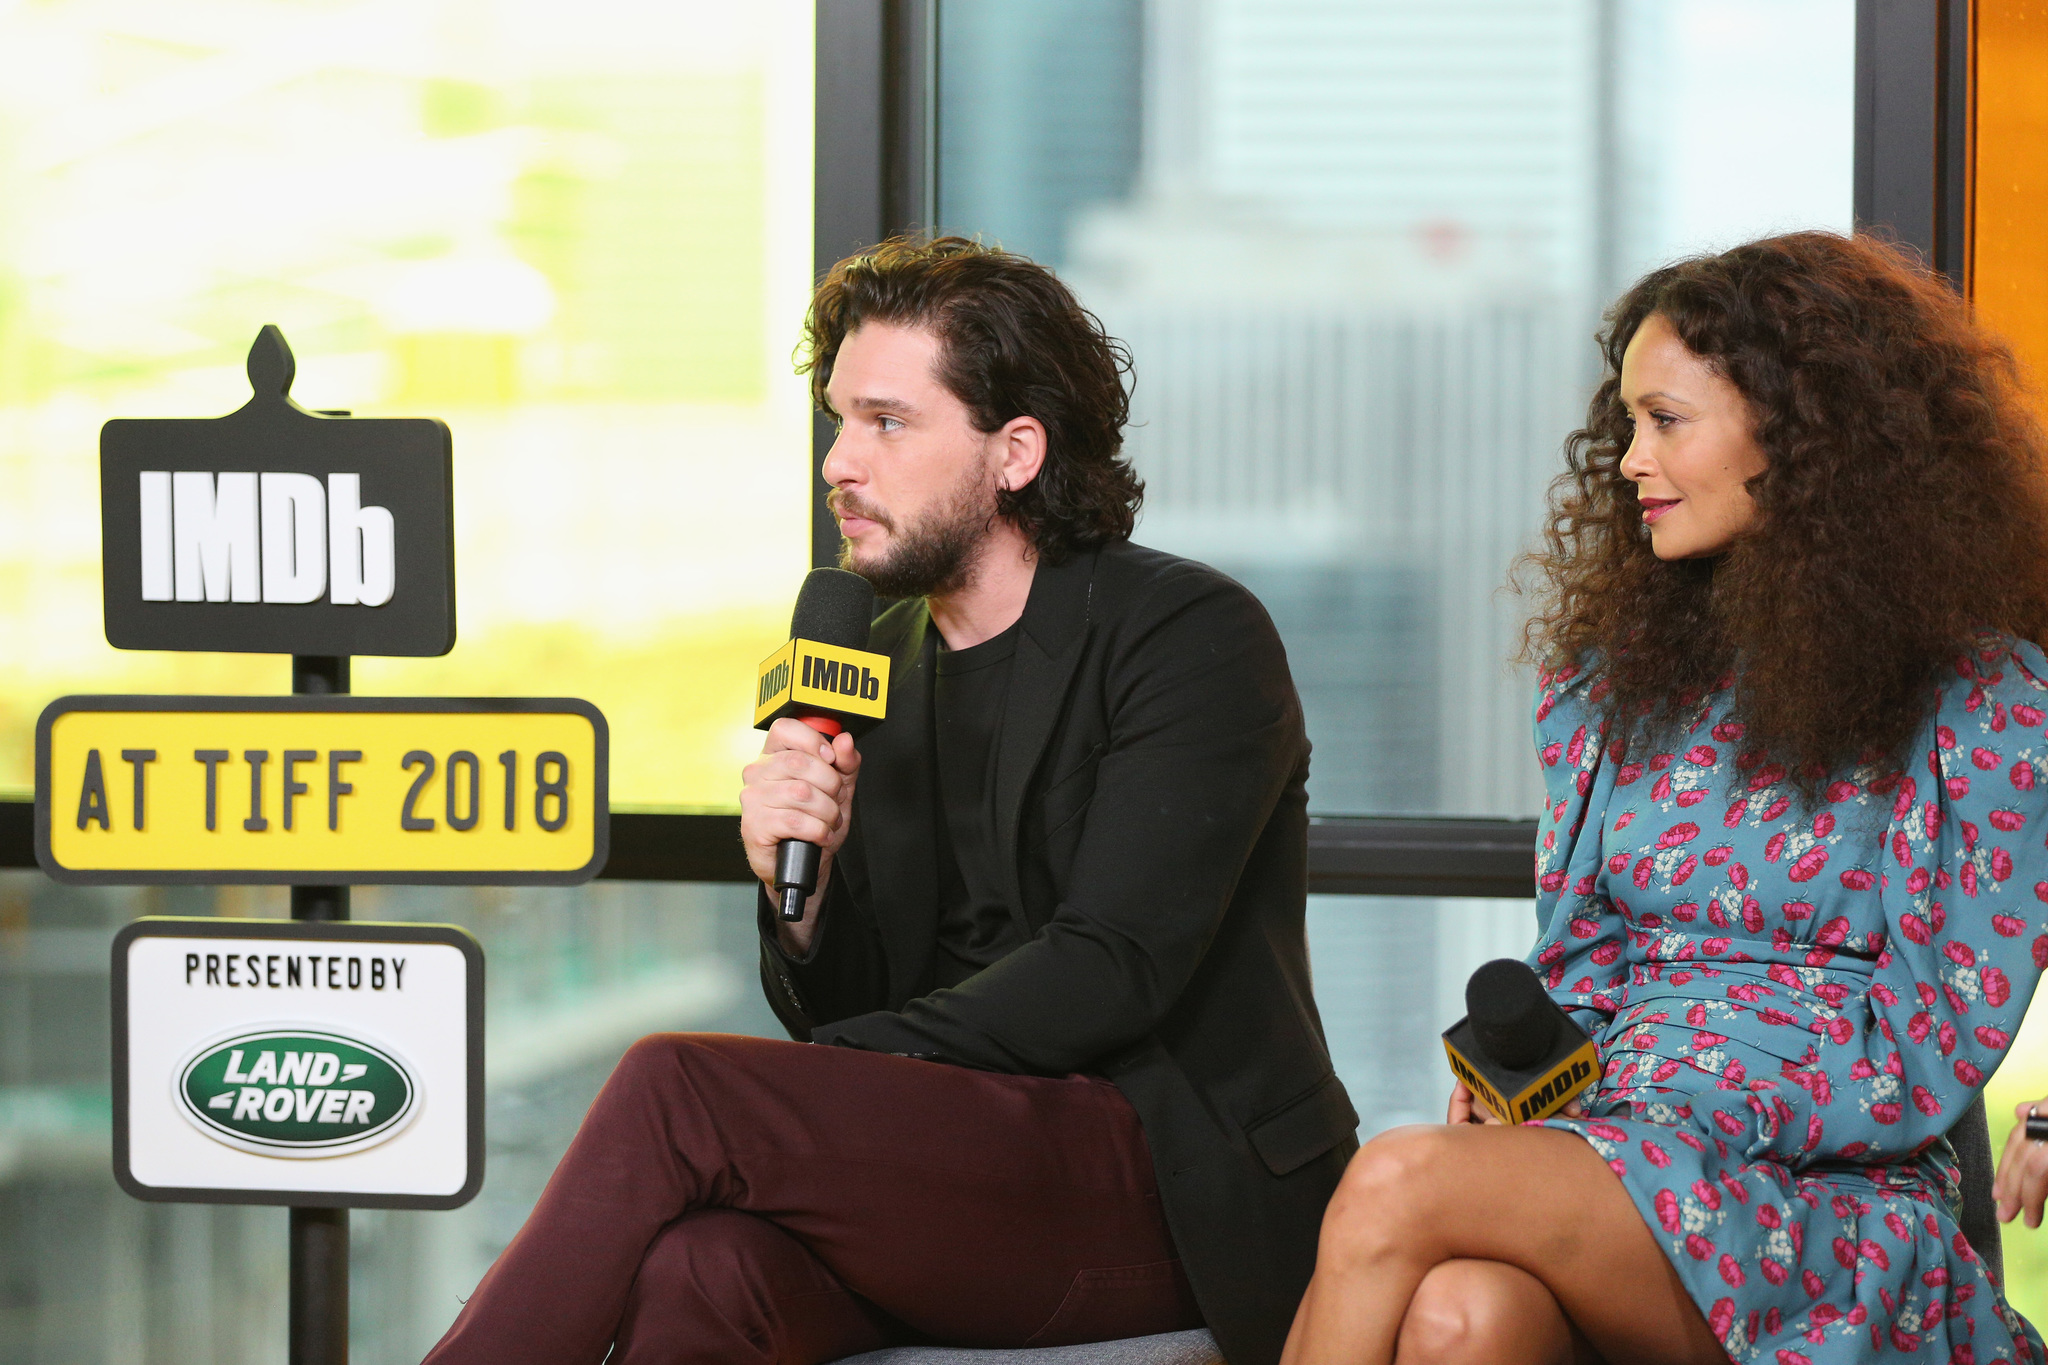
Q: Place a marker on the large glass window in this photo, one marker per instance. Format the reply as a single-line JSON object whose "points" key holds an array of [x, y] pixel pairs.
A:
{"points": [[1358, 249], [578, 233]]}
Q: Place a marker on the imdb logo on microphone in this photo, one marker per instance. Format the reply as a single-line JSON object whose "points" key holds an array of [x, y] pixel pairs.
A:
{"points": [[809, 678]]}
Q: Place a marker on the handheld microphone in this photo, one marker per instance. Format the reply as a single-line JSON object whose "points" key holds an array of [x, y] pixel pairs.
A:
{"points": [[1521, 1056], [826, 678]]}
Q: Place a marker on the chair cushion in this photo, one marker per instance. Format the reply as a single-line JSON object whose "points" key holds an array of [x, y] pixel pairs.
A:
{"points": [[1172, 1348]]}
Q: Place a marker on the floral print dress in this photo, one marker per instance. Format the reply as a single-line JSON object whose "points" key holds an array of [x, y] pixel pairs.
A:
{"points": [[1794, 1002]]}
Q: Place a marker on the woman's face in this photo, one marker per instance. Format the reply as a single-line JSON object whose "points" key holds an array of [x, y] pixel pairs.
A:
{"points": [[1694, 449]]}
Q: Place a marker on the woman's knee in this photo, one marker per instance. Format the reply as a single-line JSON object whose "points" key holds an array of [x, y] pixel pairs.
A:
{"points": [[1388, 1191], [1468, 1310]]}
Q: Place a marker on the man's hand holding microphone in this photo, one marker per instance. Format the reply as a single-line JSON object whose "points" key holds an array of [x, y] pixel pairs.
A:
{"points": [[801, 787], [812, 696]]}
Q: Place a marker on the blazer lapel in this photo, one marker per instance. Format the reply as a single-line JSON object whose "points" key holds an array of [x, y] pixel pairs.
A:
{"points": [[1049, 646], [896, 807]]}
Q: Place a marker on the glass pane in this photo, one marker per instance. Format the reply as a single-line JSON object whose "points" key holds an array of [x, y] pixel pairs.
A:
{"points": [[580, 234], [573, 977], [1358, 249], [1390, 974]]}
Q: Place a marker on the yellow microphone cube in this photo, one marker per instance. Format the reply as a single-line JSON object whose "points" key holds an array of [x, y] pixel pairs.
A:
{"points": [[806, 678], [1523, 1096]]}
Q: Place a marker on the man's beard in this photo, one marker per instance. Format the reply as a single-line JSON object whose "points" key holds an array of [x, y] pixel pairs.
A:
{"points": [[936, 556]]}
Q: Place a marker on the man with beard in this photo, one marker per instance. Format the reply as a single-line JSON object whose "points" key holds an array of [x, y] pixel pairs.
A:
{"points": [[1072, 1084]]}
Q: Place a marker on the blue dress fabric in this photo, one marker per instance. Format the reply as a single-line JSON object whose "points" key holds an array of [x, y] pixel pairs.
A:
{"points": [[1795, 1001]]}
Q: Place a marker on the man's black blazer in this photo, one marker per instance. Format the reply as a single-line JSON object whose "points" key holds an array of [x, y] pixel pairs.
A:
{"points": [[1152, 818]]}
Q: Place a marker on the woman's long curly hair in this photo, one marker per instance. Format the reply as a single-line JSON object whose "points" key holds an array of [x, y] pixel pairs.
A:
{"points": [[1900, 518]]}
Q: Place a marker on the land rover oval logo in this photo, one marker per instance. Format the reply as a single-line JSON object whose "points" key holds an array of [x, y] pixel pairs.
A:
{"points": [[296, 1092]]}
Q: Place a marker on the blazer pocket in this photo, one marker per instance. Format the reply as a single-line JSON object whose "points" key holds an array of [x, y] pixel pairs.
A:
{"points": [[1304, 1128], [1066, 797]]}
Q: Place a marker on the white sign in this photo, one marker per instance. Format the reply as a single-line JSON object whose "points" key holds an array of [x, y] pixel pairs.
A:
{"points": [[286, 1059]]}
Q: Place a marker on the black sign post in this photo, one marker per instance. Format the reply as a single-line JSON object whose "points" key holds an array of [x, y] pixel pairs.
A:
{"points": [[318, 1286], [319, 535]]}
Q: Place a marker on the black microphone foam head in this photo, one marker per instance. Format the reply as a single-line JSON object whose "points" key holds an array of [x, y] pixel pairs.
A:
{"points": [[834, 608], [1513, 1018]]}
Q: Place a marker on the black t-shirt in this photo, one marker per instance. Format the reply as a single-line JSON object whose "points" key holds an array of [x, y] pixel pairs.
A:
{"points": [[975, 923]]}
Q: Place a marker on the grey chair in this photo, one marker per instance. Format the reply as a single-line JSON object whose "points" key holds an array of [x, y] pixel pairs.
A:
{"points": [[1173, 1348]]}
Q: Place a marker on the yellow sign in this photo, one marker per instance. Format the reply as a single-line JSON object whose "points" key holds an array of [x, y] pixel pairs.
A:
{"points": [[808, 678], [313, 790]]}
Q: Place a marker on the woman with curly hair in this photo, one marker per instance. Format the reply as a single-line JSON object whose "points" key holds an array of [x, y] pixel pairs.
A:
{"points": [[1791, 868]]}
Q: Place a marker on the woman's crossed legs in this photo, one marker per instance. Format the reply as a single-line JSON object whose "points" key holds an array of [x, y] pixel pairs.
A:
{"points": [[1448, 1243]]}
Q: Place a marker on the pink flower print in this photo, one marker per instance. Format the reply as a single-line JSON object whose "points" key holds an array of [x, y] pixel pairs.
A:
{"points": [[1813, 1284], [1944, 737], [1856, 879], [1886, 1113], [1970, 832], [2029, 716], [1873, 1252], [1845, 1253], [1775, 1272], [1788, 1356], [1958, 788], [1969, 879], [1691, 797], [1901, 849], [1685, 871], [1728, 731], [1738, 876], [2006, 820], [1823, 824], [1767, 1215], [1945, 1037], [1667, 1210], [1775, 847], [1627, 773], [1698, 1247], [1985, 759], [2008, 926], [1797, 910], [2040, 950], [1552, 881], [2001, 865], [1731, 1271], [1924, 1101], [1777, 808], [1686, 912], [1809, 864], [1993, 1038], [1900, 1228], [1967, 1072], [1721, 1317], [1659, 762], [1577, 747], [1997, 989], [1701, 755], [1920, 1027], [2022, 776], [1752, 915], [1656, 1155], [1768, 775], [1842, 790], [1915, 928]]}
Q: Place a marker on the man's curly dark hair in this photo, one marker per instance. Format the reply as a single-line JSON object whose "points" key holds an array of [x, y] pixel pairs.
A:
{"points": [[1014, 343], [1900, 518]]}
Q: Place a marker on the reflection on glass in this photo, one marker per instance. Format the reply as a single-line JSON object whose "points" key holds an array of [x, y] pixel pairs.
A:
{"points": [[580, 234], [1358, 249]]}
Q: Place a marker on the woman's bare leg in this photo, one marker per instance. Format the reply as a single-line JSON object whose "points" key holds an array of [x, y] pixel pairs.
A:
{"points": [[1538, 1199], [1484, 1313]]}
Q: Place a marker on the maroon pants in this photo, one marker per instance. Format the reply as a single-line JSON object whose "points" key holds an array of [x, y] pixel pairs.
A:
{"points": [[745, 1200]]}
